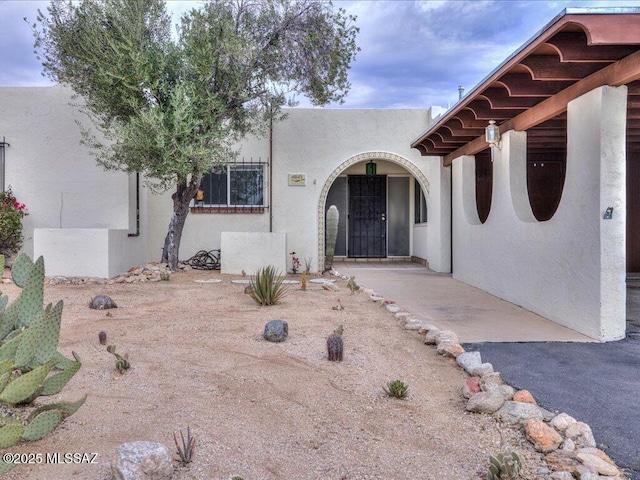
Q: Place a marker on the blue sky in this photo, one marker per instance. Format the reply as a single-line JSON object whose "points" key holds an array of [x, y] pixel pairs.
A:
{"points": [[414, 54]]}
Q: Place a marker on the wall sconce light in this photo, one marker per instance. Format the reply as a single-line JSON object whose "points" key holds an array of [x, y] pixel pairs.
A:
{"points": [[492, 134], [371, 168]]}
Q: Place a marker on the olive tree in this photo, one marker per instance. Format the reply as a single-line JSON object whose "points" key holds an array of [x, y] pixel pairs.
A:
{"points": [[172, 104]]}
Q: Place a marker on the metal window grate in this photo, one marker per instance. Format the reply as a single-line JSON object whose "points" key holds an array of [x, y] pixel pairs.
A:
{"points": [[3, 144], [235, 187]]}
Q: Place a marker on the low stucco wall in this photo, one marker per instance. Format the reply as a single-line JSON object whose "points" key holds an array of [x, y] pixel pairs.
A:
{"points": [[249, 251], [571, 268], [420, 232], [87, 252]]}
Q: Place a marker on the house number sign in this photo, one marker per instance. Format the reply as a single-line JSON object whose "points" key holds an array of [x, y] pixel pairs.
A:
{"points": [[297, 179]]}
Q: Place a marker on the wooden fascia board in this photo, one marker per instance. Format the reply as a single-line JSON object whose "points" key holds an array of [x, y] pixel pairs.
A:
{"points": [[616, 74]]}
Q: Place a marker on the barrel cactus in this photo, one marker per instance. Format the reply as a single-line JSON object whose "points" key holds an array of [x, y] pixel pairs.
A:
{"points": [[335, 345], [333, 216], [30, 364]]}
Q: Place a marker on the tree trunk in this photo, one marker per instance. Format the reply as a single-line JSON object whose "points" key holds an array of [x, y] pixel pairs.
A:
{"points": [[185, 191]]}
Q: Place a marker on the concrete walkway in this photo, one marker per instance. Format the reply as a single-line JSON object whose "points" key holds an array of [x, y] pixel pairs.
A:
{"points": [[473, 314]]}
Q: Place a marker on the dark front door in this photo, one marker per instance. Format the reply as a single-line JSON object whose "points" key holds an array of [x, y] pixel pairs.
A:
{"points": [[633, 213], [367, 216]]}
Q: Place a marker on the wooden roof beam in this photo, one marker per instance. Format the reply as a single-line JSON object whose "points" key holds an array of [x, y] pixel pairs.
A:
{"points": [[499, 98], [549, 67], [522, 85], [572, 47], [618, 73]]}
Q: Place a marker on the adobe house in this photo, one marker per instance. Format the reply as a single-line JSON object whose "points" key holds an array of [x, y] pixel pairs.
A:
{"points": [[547, 216], [543, 217], [271, 201]]}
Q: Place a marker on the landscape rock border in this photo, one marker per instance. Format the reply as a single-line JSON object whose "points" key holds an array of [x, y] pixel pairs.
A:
{"points": [[568, 445]]}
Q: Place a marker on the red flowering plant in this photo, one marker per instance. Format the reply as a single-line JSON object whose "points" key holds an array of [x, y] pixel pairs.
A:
{"points": [[11, 214]]}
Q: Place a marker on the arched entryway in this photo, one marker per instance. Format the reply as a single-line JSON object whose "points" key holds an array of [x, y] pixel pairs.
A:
{"points": [[370, 190]]}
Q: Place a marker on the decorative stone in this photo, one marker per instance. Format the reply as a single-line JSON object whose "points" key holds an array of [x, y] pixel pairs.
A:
{"points": [[482, 370], [468, 360], [321, 280], [601, 466], [516, 412], [544, 438], [524, 396], [586, 472], [142, 461], [276, 331], [562, 461], [561, 476], [471, 387], [581, 435], [430, 337], [412, 325], [598, 453], [568, 445], [332, 287], [209, 280], [393, 308], [485, 402], [241, 281], [491, 383], [376, 298], [446, 336], [450, 349], [562, 421], [102, 302]]}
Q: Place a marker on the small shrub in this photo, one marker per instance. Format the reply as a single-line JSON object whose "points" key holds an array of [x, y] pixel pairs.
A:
{"points": [[267, 286], [396, 389], [11, 214], [186, 447]]}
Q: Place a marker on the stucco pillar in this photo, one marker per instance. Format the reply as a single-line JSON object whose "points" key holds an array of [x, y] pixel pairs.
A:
{"points": [[596, 143], [439, 223]]}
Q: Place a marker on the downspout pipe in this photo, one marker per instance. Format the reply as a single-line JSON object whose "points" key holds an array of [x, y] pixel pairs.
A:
{"points": [[270, 174], [137, 234]]}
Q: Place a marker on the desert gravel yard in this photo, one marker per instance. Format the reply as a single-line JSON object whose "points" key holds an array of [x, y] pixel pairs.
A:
{"points": [[261, 410]]}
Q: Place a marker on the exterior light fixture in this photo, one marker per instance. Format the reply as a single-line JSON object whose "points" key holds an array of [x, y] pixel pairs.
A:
{"points": [[492, 134], [371, 168]]}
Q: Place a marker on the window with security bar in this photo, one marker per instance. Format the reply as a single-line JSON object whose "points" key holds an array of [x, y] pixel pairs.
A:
{"points": [[233, 188]]}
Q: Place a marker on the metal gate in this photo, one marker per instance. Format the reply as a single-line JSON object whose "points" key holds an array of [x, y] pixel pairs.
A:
{"points": [[3, 144], [367, 216]]}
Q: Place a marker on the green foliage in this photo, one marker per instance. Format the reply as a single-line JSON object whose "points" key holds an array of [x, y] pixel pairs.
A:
{"points": [[267, 286], [30, 365], [333, 216], [353, 286], [11, 214], [122, 364], [396, 389], [504, 466], [186, 447], [173, 107]]}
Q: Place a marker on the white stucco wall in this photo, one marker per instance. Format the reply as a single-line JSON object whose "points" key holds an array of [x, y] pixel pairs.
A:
{"points": [[51, 172], [87, 252], [250, 251], [314, 142], [571, 268]]}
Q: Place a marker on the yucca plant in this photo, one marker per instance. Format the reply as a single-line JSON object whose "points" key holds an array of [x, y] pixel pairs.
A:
{"points": [[267, 286], [396, 389]]}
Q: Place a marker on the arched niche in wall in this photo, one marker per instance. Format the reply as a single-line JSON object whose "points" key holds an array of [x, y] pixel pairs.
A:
{"points": [[546, 168], [484, 184]]}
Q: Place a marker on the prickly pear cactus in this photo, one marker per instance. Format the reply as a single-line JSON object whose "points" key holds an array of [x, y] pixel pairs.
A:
{"points": [[504, 466], [30, 364]]}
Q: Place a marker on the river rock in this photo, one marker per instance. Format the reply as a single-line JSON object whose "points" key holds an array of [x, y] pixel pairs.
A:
{"points": [[524, 396], [276, 331], [485, 402], [468, 360], [516, 412], [544, 438], [581, 435]]}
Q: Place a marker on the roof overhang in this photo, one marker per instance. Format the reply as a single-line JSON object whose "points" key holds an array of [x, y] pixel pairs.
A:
{"points": [[579, 50]]}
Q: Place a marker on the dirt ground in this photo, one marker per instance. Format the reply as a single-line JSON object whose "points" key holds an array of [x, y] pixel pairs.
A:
{"points": [[258, 409]]}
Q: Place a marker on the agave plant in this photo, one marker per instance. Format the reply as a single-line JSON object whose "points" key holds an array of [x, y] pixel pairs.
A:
{"points": [[396, 389], [267, 286]]}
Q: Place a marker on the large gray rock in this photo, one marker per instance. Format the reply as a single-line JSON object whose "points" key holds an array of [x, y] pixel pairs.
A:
{"points": [[468, 360], [485, 402], [493, 383], [518, 412], [446, 336], [102, 302], [276, 331], [482, 370], [142, 461], [581, 435]]}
